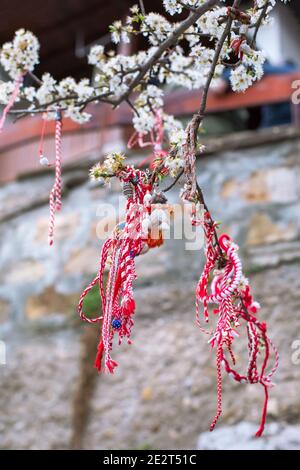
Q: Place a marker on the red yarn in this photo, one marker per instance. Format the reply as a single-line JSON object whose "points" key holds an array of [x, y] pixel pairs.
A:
{"points": [[17, 85], [126, 242], [232, 293], [156, 137], [98, 359], [264, 414], [219, 382], [128, 306], [111, 365], [236, 47]]}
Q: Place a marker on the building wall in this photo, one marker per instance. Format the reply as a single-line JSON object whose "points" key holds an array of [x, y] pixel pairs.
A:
{"points": [[280, 41], [163, 393]]}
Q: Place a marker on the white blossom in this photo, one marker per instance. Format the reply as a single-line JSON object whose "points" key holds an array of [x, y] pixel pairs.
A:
{"points": [[174, 164], [45, 93], [96, 55], [172, 6], [143, 122], [29, 93], [76, 115], [21, 54], [6, 89], [249, 71], [156, 28], [186, 64]]}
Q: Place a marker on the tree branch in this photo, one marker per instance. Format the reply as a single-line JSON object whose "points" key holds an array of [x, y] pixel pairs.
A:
{"points": [[259, 23], [170, 41], [197, 118]]}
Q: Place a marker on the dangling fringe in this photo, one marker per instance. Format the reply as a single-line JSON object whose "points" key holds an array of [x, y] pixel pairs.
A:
{"points": [[13, 97], [231, 293], [55, 194], [219, 382], [128, 306], [264, 413], [110, 366], [97, 280], [126, 242], [98, 359]]}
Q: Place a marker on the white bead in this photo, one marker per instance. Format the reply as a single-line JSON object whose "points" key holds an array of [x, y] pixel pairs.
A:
{"points": [[44, 160], [147, 199]]}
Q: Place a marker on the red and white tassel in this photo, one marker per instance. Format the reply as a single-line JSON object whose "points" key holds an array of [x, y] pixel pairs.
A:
{"points": [[235, 303], [127, 241]]}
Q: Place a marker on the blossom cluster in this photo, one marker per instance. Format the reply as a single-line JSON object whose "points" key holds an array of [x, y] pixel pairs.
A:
{"points": [[21, 55], [249, 71], [113, 164], [116, 74], [174, 165]]}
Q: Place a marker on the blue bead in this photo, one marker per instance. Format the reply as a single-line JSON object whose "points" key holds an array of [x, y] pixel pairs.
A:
{"points": [[116, 324]]}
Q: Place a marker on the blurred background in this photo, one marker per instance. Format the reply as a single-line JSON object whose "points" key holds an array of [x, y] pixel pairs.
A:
{"points": [[163, 394]]}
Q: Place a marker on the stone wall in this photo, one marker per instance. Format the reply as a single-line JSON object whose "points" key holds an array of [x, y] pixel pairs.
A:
{"points": [[163, 393]]}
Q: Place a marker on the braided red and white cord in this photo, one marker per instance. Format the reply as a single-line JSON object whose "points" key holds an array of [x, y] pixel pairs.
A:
{"points": [[55, 194]]}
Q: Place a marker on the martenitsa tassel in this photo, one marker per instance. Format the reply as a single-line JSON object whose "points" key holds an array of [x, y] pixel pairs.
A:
{"points": [[229, 290], [129, 240]]}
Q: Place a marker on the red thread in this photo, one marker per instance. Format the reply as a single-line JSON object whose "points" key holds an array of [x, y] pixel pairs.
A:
{"points": [[156, 140], [264, 414], [44, 124], [12, 99], [126, 242], [98, 359], [219, 388], [232, 294]]}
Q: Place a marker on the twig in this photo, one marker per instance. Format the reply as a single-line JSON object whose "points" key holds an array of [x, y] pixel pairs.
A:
{"points": [[259, 23], [142, 7], [197, 118], [170, 41], [187, 7], [164, 46], [165, 190], [193, 126], [34, 78]]}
